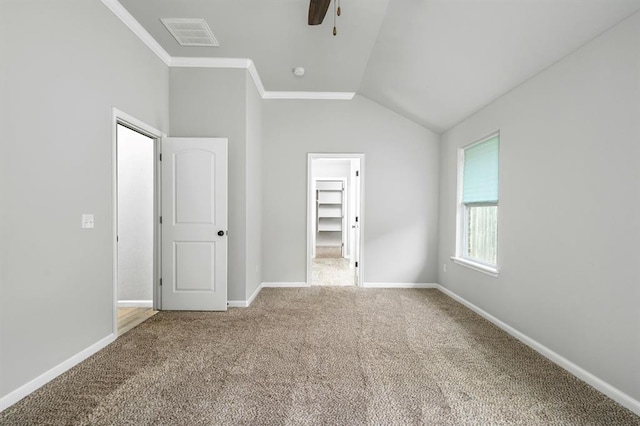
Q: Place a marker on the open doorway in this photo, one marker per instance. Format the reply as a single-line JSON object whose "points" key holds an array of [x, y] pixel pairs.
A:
{"points": [[136, 231], [334, 252]]}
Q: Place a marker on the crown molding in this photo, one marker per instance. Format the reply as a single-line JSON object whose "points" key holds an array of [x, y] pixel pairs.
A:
{"points": [[253, 72], [131, 22], [245, 63], [343, 96], [200, 62]]}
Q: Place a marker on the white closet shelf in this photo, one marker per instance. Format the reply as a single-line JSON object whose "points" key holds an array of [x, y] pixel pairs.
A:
{"points": [[329, 213]]}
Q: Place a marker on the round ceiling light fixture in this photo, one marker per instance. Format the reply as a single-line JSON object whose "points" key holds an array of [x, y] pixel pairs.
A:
{"points": [[298, 71]]}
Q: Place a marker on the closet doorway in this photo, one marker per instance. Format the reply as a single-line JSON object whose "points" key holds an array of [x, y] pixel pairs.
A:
{"points": [[334, 219], [136, 233]]}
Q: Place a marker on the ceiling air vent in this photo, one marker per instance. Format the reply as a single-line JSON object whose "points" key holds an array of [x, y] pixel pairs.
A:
{"points": [[191, 32]]}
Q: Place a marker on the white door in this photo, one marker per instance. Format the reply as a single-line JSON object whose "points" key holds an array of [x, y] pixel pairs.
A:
{"points": [[194, 224]]}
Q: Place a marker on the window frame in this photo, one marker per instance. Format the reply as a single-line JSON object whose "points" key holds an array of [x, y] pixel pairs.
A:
{"points": [[462, 217]]}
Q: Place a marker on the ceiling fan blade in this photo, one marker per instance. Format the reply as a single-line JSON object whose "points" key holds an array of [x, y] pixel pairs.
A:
{"points": [[317, 11]]}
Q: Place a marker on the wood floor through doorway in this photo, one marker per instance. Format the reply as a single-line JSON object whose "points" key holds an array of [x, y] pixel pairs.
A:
{"points": [[129, 318]]}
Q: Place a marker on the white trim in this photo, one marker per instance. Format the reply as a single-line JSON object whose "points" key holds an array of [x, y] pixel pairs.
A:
{"points": [[245, 303], [135, 303], [207, 62], [461, 212], [340, 96], [24, 390], [399, 285], [579, 372], [253, 72], [137, 124], [137, 29], [201, 62], [476, 266], [248, 64], [118, 116], [311, 207], [284, 284], [254, 295]]}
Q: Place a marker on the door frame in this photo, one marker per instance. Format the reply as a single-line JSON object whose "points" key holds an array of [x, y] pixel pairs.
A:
{"points": [[122, 118], [311, 206]]}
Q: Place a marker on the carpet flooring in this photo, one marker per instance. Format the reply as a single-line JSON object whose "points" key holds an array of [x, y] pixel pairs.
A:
{"points": [[319, 355], [332, 272], [325, 252]]}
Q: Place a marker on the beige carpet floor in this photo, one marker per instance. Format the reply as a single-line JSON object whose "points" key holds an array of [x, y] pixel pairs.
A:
{"points": [[332, 272], [320, 355], [328, 252]]}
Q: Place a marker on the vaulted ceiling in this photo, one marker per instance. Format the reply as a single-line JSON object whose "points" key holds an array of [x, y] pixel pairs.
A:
{"points": [[432, 61]]}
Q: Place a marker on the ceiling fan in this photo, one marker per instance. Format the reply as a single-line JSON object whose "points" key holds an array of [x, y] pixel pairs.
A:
{"points": [[318, 10]]}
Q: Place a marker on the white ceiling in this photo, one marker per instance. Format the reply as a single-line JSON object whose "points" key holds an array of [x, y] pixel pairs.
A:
{"points": [[432, 61], [438, 61], [275, 35]]}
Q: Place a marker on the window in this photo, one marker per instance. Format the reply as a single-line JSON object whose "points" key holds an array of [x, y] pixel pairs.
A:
{"points": [[477, 231]]}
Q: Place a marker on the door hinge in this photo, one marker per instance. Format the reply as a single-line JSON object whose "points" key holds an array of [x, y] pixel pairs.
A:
{"points": [[357, 173], [356, 264], [160, 282], [160, 156], [161, 220], [356, 218]]}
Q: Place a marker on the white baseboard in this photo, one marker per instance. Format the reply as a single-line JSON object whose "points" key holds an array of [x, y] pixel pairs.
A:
{"points": [[237, 304], [135, 303], [284, 284], [399, 285], [599, 384], [254, 295], [24, 390], [244, 303], [249, 301], [604, 387]]}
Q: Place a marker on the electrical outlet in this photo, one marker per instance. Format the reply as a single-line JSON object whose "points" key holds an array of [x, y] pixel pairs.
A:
{"points": [[87, 221]]}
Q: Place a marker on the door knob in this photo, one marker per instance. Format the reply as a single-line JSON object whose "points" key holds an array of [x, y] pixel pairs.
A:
{"points": [[221, 233]]}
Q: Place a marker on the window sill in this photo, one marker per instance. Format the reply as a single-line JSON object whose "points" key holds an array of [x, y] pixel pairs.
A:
{"points": [[476, 266]]}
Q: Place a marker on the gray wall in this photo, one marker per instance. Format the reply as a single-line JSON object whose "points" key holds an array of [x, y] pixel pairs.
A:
{"points": [[569, 221], [254, 188], [58, 85], [213, 102], [401, 186]]}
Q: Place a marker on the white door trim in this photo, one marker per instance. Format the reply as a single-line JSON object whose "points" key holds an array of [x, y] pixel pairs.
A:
{"points": [[311, 207], [121, 117]]}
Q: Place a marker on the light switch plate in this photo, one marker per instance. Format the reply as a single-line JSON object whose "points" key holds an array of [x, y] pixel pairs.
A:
{"points": [[87, 221]]}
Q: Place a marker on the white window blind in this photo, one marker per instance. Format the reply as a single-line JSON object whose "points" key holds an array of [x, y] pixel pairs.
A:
{"points": [[480, 183]]}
